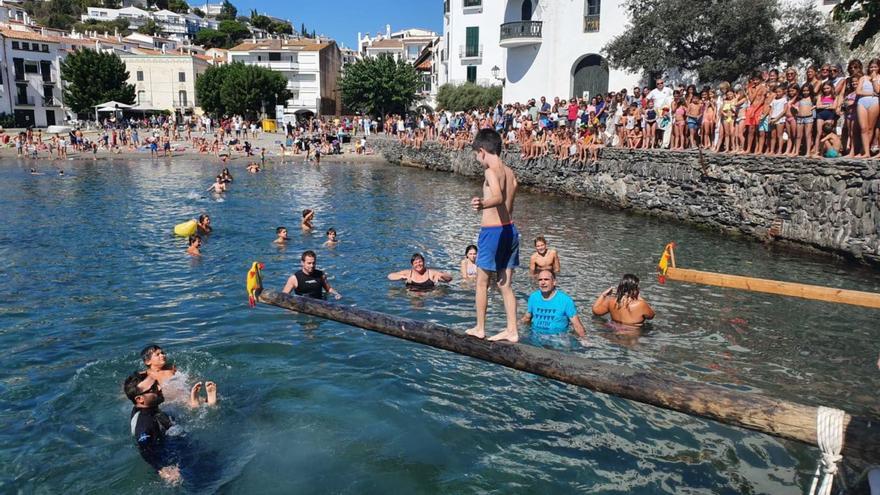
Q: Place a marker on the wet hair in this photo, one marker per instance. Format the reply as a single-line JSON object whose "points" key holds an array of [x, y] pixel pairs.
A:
{"points": [[828, 127], [306, 212], [202, 218], [279, 229], [130, 386], [331, 230], [192, 240], [147, 352], [307, 254], [468, 249], [627, 289], [487, 140], [416, 256], [540, 238]]}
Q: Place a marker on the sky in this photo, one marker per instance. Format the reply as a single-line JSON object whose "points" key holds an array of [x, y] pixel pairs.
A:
{"points": [[343, 19]]}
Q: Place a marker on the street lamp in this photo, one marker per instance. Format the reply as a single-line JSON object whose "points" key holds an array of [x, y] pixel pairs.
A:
{"points": [[496, 73]]}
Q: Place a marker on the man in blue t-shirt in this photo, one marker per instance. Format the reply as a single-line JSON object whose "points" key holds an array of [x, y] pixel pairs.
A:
{"points": [[550, 310]]}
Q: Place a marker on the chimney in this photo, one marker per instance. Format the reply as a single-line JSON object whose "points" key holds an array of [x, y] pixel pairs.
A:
{"points": [[43, 31], [163, 48], [387, 30]]}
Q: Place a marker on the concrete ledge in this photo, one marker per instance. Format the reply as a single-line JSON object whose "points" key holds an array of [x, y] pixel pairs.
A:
{"points": [[832, 205]]}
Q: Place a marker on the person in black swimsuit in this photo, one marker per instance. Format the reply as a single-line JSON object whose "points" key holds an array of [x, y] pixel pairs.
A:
{"points": [[419, 278], [309, 281], [148, 427]]}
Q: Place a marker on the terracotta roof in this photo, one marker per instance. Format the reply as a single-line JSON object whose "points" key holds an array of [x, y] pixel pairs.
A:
{"points": [[276, 45], [25, 35], [397, 44]]}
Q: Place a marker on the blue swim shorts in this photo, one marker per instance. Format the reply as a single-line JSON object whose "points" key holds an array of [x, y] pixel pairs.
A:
{"points": [[498, 248], [693, 123]]}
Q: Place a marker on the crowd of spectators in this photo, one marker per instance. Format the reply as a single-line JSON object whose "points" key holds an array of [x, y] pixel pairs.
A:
{"points": [[822, 112]]}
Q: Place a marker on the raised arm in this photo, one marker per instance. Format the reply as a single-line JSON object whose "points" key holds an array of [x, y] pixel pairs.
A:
{"points": [[600, 306], [442, 276], [401, 275]]}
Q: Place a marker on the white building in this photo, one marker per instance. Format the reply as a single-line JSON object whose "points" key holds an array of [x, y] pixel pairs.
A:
{"points": [[12, 12], [31, 89], [170, 23], [210, 9], [165, 81], [540, 48], [311, 68], [406, 44]]}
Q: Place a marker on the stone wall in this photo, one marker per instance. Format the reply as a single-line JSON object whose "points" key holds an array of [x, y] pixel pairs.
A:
{"points": [[833, 205]]}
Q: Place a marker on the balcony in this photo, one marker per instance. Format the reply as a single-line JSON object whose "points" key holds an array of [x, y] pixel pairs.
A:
{"points": [[591, 23], [521, 33], [24, 100], [470, 54], [51, 101]]}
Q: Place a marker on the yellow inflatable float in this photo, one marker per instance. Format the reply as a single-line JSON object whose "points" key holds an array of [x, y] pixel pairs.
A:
{"points": [[186, 229]]}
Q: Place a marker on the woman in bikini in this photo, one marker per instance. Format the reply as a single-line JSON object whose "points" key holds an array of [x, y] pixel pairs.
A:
{"points": [[867, 105], [678, 129], [650, 124], [707, 128], [805, 112], [420, 278], [469, 263], [543, 258], [790, 118], [728, 114]]}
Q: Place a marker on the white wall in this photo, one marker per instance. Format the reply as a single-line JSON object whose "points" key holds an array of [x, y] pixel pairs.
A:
{"points": [[302, 70], [161, 83], [546, 69], [488, 18], [34, 81]]}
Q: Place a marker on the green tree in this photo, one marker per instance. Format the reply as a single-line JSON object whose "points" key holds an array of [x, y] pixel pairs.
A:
{"points": [[280, 28], [116, 25], [228, 12], [717, 40], [199, 12], [179, 6], [227, 35], [91, 78], [150, 28], [380, 85], [467, 96], [867, 11], [241, 89]]}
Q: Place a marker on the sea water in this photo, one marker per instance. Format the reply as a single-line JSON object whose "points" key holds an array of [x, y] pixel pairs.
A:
{"points": [[91, 273]]}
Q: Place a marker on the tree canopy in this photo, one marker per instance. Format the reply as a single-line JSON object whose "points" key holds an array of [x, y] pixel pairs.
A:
{"points": [[150, 28], [228, 12], [227, 35], [179, 6], [240, 89], [91, 78], [266, 23], [467, 96], [379, 85], [867, 11], [718, 40]]}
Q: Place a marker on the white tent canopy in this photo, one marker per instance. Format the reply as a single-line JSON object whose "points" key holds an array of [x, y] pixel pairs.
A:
{"points": [[111, 106]]}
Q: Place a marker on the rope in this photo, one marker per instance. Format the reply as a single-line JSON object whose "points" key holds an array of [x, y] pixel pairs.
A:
{"points": [[829, 433]]}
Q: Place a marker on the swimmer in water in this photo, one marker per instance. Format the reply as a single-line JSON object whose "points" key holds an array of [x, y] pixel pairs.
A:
{"points": [[282, 238], [148, 427], [309, 281], [331, 238], [420, 278], [469, 263], [34, 172], [308, 217], [551, 311], [159, 371], [253, 167], [543, 258], [218, 186], [195, 242], [204, 225], [61, 173], [624, 304], [226, 176]]}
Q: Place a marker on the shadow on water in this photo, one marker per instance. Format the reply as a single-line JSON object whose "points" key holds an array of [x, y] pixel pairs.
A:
{"points": [[92, 274]]}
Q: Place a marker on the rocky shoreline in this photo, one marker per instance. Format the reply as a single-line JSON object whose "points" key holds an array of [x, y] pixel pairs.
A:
{"points": [[830, 205]]}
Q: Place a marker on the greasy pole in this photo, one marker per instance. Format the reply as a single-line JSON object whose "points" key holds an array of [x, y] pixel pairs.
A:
{"points": [[752, 411]]}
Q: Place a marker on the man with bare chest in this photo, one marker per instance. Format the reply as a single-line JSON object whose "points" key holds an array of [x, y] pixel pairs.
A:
{"points": [[498, 243]]}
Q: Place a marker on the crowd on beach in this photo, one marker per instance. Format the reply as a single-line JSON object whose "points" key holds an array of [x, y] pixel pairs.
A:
{"points": [[825, 111]]}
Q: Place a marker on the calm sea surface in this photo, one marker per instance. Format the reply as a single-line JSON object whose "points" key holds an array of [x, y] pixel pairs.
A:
{"points": [[91, 273]]}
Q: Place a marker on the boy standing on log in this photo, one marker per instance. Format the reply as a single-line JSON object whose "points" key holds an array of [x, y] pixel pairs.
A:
{"points": [[498, 244]]}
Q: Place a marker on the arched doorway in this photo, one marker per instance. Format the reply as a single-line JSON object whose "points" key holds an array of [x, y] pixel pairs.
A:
{"points": [[526, 14], [590, 75]]}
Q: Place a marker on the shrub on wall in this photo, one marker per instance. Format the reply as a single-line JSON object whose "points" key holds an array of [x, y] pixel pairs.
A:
{"points": [[467, 96]]}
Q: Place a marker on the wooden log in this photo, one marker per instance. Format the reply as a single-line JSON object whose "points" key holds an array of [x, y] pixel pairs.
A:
{"points": [[752, 411], [817, 292]]}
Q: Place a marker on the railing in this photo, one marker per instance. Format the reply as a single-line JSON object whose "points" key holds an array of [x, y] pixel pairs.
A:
{"points": [[591, 23], [26, 100], [470, 51], [50, 101], [521, 29]]}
